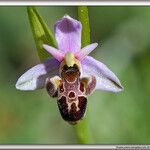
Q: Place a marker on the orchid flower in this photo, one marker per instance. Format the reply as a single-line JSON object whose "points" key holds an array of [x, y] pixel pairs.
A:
{"points": [[71, 75]]}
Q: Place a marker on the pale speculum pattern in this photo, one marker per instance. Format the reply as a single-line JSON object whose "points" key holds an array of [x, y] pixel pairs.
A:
{"points": [[71, 91], [72, 98]]}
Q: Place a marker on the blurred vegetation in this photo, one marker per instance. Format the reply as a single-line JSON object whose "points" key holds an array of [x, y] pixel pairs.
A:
{"points": [[123, 34]]}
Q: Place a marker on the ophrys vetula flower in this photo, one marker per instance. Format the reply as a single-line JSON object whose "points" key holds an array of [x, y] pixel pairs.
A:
{"points": [[70, 75]]}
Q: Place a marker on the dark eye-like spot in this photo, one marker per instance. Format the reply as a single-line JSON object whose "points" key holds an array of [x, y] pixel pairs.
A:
{"points": [[73, 108], [61, 88], [71, 95], [51, 89], [82, 103], [62, 100], [63, 106], [81, 87], [65, 67]]}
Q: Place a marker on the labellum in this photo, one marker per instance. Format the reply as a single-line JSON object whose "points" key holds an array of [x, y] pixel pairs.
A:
{"points": [[70, 89]]}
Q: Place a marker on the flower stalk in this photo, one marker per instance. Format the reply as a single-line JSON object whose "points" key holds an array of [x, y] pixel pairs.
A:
{"points": [[82, 128], [84, 19]]}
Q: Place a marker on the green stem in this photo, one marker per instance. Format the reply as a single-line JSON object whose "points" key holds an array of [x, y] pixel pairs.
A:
{"points": [[84, 19], [82, 128]]}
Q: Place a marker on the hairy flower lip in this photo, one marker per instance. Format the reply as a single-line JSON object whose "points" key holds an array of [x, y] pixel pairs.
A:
{"points": [[68, 37]]}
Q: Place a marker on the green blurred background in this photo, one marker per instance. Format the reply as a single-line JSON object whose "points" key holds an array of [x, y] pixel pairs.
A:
{"points": [[33, 117]]}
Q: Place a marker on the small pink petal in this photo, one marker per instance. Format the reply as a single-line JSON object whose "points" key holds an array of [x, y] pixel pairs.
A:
{"points": [[54, 52], [81, 54], [35, 77], [68, 34]]}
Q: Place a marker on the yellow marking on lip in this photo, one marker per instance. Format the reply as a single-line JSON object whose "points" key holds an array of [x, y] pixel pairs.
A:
{"points": [[56, 80]]}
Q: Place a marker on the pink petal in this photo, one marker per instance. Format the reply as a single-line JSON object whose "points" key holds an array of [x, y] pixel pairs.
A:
{"points": [[35, 77], [106, 79], [85, 51], [54, 52], [68, 34]]}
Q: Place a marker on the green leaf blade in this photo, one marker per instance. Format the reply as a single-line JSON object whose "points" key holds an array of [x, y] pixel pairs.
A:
{"points": [[41, 32]]}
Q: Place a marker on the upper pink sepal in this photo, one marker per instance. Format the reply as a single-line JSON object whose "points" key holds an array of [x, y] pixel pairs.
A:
{"points": [[68, 34]]}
